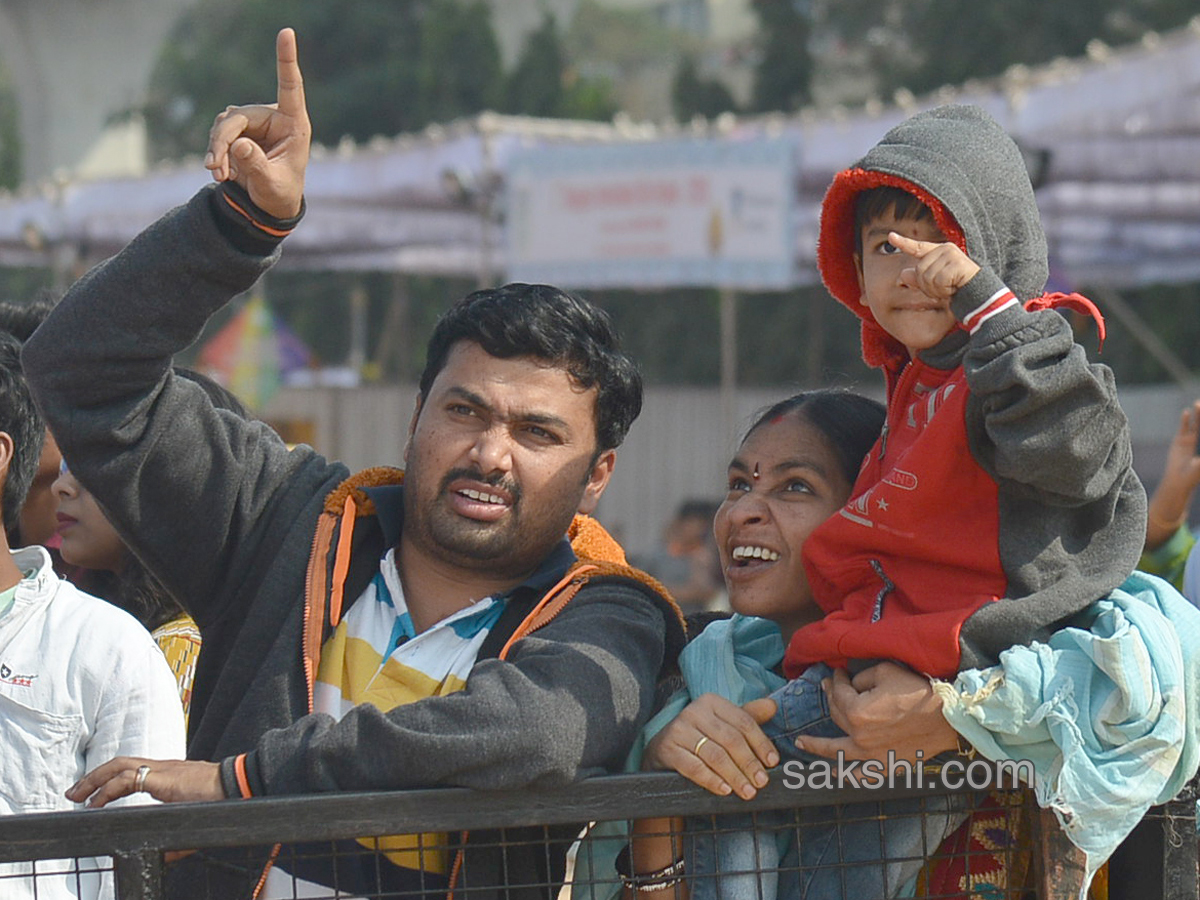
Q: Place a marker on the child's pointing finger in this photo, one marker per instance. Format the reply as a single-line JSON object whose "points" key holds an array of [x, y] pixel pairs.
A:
{"points": [[909, 246]]}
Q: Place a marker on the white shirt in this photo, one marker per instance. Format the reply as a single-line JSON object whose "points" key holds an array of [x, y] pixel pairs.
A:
{"points": [[81, 682]]}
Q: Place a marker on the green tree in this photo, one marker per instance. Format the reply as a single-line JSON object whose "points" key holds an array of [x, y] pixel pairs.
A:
{"points": [[459, 70], [10, 144], [374, 67], [692, 95], [924, 44], [783, 75], [543, 84], [535, 85]]}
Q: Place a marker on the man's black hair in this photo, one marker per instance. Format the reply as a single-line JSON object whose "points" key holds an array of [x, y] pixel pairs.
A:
{"points": [[552, 326], [850, 422], [874, 202], [22, 319], [19, 418]]}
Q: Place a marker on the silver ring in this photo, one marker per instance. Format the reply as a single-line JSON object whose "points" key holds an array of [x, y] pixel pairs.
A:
{"points": [[139, 780], [700, 743]]}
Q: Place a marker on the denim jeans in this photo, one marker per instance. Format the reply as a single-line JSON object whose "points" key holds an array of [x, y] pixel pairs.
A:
{"points": [[859, 851]]}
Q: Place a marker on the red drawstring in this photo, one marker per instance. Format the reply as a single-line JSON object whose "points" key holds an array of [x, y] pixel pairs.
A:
{"points": [[1074, 302]]}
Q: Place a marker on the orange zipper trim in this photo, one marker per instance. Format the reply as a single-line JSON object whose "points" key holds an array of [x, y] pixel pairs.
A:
{"points": [[341, 561]]}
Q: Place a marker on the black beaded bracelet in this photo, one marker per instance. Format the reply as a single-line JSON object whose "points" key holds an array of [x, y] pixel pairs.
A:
{"points": [[647, 882]]}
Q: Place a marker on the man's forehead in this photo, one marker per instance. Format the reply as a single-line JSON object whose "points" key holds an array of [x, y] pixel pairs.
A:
{"points": [[523, 384]]}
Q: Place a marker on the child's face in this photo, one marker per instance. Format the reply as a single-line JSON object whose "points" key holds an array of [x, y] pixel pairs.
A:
{"points": [[911, 317]]}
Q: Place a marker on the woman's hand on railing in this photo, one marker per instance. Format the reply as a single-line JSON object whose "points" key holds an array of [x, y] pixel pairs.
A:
{"points": [[886, 707], [716, 744], [168, 780]]}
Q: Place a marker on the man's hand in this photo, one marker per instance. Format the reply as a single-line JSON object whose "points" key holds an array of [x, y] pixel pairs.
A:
{"points": [[169, 780], [885, 707], [941, 269], [264, 147], [717, 745]]}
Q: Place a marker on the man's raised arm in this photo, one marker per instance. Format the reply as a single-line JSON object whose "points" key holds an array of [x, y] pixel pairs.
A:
{"points": [[152, 450]]}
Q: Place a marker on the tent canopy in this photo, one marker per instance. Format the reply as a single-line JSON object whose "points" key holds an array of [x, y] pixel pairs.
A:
{"points": [[1115, 137]]}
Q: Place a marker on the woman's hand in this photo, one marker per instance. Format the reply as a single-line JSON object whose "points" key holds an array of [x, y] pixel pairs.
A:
{"points": [[717, 745], [886, 707]]}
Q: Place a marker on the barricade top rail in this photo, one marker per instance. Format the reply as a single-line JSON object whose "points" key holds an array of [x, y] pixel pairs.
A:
{"points": [[229, 823]]}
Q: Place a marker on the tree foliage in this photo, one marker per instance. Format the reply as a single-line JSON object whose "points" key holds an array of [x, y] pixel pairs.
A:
{"points": [[692, 95], [361, 63], [543, 83], [10, 144], [783, 75], [459, 71], [924, 44], [373, 67]]}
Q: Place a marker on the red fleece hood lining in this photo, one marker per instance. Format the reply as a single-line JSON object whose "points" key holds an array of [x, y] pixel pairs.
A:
{"points": [[835, 252]]}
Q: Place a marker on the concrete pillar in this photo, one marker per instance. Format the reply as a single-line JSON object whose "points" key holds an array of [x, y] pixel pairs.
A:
{"points": [[74, 64]]}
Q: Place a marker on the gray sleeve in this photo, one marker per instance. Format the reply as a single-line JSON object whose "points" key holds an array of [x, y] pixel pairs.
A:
{"points": [[568, 702], [184, 484], [1046, 424], [1041, 416]]}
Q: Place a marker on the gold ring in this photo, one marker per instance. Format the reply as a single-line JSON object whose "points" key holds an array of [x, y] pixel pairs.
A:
{"points": [[139, 780], [700, 743]]}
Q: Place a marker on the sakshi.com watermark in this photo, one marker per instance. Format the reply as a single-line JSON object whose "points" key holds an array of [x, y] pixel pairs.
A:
{"points": [[875, 774]]}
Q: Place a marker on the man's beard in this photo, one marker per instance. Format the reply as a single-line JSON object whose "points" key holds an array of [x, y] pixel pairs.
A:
{"points": [[513, 546], [468, 539]]}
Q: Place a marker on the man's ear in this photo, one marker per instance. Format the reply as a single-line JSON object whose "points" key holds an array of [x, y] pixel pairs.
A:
{"points": [[6, 456], [412, 426], [597, 481]]}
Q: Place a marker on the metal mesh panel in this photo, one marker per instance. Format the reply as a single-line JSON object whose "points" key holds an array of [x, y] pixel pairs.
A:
{"points": [[849, 843]]}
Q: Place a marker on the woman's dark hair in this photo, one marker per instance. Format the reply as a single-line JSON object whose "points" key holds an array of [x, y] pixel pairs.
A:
{"points": [[142, 596], [850, 422], [551, 325]]}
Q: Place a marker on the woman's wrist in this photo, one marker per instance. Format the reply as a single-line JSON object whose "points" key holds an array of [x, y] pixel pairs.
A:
{"points": [[660, 879], [653, 858]]}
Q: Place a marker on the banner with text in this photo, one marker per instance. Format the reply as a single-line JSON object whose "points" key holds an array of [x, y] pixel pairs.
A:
{"points": [[687, 212]]}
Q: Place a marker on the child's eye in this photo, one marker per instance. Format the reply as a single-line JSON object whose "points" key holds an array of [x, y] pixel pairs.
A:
{"points": [[887, 248]]}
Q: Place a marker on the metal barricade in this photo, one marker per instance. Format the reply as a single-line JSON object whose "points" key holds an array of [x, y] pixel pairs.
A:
{"points": [[995, 832]]}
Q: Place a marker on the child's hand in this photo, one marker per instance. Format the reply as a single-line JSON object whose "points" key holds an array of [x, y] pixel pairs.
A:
{"points": [[941, 269]]}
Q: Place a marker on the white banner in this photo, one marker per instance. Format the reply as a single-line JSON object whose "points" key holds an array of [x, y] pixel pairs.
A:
{"points": [[653, 214]]}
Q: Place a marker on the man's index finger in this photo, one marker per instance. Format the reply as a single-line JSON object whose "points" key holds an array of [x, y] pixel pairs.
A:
{"points": [[290, 93]]}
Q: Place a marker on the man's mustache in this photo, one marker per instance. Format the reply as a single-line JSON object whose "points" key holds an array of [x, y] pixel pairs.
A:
{"points": [[504, 482]]}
